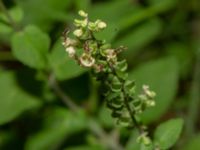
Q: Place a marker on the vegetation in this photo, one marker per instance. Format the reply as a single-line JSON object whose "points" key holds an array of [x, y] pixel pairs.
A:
{"points": [[81, 89]]}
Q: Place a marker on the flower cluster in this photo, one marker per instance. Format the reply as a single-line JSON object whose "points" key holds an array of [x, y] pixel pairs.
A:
{"points": [[120, 95]]}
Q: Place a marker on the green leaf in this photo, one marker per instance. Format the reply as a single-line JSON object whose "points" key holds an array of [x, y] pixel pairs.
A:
{"points": [[13, 100], [59, 123], [119, 10], [145, 13], [105, 117], [4, 29], [162, 77], [82, 4], [44, 13], [62, 65], [140, 36], [183, 55], [192, 144], [30, 46], [168, 133], [108, 34]]}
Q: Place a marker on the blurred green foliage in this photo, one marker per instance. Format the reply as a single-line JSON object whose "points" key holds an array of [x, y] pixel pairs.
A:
{"points": [[162, 37]]}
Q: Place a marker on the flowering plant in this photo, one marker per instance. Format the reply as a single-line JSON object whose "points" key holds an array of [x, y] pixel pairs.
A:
{"points": [[102, 59]]}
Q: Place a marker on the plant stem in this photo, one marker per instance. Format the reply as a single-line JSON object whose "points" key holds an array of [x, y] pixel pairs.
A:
{"points": [[103, 136], [108, 141], [9, 17], [131, 113], [55, 86]]}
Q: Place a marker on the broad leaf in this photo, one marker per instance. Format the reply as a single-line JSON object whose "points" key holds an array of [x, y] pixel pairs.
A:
{"points": [[168, 133], [149, 12], [13, 100], [30, 46], [184, 56], [44, 13], [59, 123], [140, 36]]}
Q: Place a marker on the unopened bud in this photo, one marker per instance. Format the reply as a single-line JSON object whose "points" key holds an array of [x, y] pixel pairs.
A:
{"points": [[101, 25], [78, 32], [80, 23], [82, 13]]}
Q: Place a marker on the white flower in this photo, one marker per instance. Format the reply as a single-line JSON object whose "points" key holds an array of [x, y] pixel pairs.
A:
{"points": [[87, 60], [68, 42], [71, 51], [78, 32], [82, 13]]}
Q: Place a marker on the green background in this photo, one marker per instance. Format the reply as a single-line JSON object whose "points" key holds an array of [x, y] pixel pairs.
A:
{"points": [[163, 41]]}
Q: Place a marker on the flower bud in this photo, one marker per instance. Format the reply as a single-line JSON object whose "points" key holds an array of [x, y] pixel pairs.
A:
{"points": [[101, 25], [82, 13], [80, 23], [78, 32]]}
